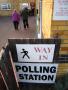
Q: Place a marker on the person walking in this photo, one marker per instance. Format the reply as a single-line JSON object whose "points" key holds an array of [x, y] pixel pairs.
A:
{"points": [[24, 15], [15, 19]]}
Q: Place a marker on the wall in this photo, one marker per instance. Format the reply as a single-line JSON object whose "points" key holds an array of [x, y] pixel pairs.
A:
{"points": [[5, 12], [15, 5], [50, 28], [60, 27], [46, 17]]}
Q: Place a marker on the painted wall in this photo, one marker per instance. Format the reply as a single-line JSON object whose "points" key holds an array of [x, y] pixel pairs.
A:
{"points": [[50, 27], [46, 17], [5, 12], [60, 27], [14, 5]]}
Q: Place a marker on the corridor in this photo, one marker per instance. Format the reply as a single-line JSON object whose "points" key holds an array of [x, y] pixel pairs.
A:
{"points": [[7, 30]]}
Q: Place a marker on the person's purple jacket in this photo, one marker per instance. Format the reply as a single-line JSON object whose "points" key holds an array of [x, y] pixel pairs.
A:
{"points": [[15, 16]]}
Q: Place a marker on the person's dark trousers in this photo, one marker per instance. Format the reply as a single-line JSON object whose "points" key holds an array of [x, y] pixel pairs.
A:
{"points": [[16, 25], [32, 12], [25, 22]]}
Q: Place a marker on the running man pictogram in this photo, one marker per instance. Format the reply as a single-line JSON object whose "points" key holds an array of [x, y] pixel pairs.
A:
{"points": [[25, 53]]}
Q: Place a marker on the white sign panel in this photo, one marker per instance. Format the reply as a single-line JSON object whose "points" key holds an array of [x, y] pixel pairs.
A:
{"points": [[24, 5], [36, 73], [60, 10], [5, 6], [35, 52]]}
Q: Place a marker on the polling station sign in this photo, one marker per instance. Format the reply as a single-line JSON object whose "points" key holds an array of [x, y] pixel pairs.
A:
{"points": [[36, 73], [35, 52], [34, 59]]}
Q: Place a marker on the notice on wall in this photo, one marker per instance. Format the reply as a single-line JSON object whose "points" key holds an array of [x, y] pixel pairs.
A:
{"points": [[35, 52], [5, 6], [24, 5], [36, 72], [60, 10]]}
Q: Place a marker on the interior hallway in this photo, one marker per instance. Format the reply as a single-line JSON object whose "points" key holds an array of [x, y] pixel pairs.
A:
{"points": [[7, 30]]}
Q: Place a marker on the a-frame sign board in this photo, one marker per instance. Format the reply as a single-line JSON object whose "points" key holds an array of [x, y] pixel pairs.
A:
{"points": [[35, 61]]}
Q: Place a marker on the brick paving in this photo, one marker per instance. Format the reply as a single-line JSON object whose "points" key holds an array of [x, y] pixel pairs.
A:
{"points": [[7, 30]]}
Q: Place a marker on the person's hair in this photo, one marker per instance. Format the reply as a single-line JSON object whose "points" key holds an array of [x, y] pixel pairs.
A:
{"points": [[14, 10]]}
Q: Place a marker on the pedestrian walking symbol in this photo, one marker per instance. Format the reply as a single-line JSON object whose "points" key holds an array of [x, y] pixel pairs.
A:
{"points": [[25, 53]]}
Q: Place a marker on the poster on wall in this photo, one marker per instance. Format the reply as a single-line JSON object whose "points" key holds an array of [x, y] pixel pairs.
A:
{"points": [[60, 11], [5, 6]]}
